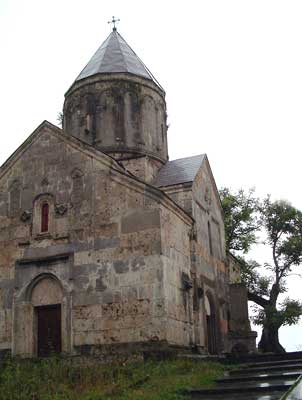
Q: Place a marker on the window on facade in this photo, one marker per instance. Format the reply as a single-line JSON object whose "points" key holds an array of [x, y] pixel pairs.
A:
{"points": [[44, 217], [210, 238]]}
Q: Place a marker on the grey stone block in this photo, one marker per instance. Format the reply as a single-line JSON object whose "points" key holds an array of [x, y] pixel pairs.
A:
{"points": [[141, 220], [121, 266], [100, 244]]}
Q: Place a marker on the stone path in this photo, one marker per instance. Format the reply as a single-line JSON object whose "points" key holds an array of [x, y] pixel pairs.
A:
{"points": [[265, 380]]}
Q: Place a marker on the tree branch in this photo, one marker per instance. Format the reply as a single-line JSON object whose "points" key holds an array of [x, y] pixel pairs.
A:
{"points": [[275, 260], [257, 299]]}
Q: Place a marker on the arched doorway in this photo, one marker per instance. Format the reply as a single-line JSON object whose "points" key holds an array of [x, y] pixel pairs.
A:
{"points": [[211, 324], [46, 298]]}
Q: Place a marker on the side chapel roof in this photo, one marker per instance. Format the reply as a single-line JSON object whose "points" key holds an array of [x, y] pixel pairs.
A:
{"points": [[115, 56], [179, 171]]}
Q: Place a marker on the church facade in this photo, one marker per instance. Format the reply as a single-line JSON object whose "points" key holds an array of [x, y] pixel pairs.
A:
{"points": [[105, 245]]}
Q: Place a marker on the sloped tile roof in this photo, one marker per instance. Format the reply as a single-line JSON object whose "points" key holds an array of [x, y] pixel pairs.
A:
{"points": [[115, 56], [179, 171]]}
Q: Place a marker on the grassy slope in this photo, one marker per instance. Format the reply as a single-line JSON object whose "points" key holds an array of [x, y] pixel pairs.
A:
{"points": [[55, 379]]}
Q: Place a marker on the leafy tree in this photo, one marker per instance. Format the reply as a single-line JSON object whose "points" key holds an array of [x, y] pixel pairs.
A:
{"points": [[282, 224], [241, 218], [60, 118]]}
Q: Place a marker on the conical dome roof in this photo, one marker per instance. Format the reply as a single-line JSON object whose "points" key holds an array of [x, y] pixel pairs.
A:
{"points": [[115, 56]]}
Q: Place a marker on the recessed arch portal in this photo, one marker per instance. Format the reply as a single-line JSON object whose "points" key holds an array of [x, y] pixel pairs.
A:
{"points": [[211, 324], [46, 297]]}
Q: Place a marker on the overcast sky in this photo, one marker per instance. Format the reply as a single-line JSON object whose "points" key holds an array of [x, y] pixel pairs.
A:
{"points": [[232, 71]]}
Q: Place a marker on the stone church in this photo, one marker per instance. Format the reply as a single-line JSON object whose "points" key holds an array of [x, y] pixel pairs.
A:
{"points": [[106, 245]]}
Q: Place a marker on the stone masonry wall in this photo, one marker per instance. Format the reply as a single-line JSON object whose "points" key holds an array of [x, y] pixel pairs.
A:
{"points": [[104, 247], [119, 113], [207, 266], [208, 251], [176, 262]]}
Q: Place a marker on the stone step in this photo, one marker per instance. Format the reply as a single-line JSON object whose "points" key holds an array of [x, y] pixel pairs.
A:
{"points": [[272, 363], [264, 357], [235, 390], [259, 377], [275, 368], [254, 383], [242, 396]]}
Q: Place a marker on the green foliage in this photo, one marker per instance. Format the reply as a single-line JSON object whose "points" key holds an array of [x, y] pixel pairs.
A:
{"points": [[245, 215], [251, 277], [288, 313], [241, 217], [58, 379], [60, 118], [283, 225]]}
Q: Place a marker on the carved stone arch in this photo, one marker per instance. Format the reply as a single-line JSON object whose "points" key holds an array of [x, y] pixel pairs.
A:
{"points": [[45, 195], [15, 183], [211, 323], [55, 296], [119, 117], [90, 110], [44, 293], [38, 214], [105, 123], [132, 118], [73, 114], [149, 121], [91, 103], [77, 187], [45, 296], [161, 128], [148, 100]]}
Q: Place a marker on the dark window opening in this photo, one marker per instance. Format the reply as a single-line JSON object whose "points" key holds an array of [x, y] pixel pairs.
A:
{"points": [[44, 217]]}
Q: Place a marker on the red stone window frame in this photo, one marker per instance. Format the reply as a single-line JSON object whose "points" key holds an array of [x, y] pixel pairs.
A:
{"points": [[44, 218]]}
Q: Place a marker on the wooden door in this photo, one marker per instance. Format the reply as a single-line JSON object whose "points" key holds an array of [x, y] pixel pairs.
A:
{"points": [[49, 329], [212, 347]]}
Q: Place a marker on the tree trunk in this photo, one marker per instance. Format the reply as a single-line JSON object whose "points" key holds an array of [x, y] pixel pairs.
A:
{"points": [[269, 342]]}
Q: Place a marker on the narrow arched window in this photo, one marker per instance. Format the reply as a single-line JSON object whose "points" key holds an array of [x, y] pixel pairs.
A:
{"points": [[44, 217], [210, 238]]}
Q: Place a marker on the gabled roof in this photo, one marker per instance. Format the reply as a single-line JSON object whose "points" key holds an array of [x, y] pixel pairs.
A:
{"points": [[46, 126], [179, 171], [115, 56]]}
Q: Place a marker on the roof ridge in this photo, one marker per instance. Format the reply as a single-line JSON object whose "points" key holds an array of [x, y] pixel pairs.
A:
{"points": [[119, 44], [179, 171], [141, 61], [94, 54], [183, 158], [116, 56]]}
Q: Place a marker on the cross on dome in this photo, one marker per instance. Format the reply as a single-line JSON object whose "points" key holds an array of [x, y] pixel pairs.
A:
{"points": [[114, 21]]}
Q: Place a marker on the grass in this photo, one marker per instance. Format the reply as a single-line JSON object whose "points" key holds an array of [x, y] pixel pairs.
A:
{"points": [[58, 379]]}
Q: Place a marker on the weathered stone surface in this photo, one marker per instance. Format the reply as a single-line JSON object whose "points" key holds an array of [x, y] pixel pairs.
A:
{"points": [[140, 221], [124, 262]]}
